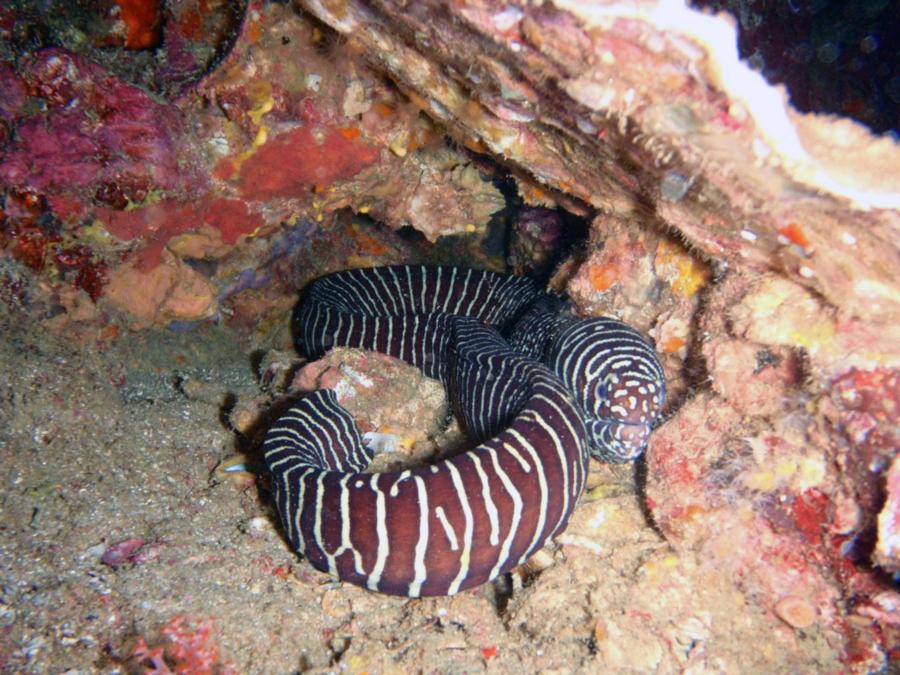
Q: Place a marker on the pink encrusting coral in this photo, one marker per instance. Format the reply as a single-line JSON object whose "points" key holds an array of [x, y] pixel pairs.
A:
{"points": [[52, 155], [754, 503], [98, 137], [156, 224], [775, 478], [295, 161]]}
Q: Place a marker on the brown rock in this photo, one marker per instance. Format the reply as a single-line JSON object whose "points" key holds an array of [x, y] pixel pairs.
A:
{"points": [[169, 292], [754, 379]]}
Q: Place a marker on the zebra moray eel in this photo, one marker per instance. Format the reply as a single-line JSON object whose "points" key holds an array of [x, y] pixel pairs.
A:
{"points": [[535, 388]]}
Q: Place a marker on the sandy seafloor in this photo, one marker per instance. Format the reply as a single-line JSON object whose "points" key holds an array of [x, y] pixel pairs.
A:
{"points": [[100, 446]]}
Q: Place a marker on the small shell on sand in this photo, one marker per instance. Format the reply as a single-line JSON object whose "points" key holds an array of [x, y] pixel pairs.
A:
{"points": [[795, 611]]}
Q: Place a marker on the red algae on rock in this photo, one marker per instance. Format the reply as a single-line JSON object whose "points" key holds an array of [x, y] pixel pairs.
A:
{"points": [[52, 154], [232, 218], [142, 19], [870, 410], [753, 505], [158, 223], [30, 233], [65, 150], [291, 163]]}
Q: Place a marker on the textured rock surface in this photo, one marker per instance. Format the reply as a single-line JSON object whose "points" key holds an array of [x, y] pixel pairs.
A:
{"points": [[648, 105], [778, 326], [758, 247]]}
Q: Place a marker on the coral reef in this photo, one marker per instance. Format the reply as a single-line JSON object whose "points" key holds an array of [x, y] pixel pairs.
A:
{"points": [[776, 349], [271, 144], [756, 245]]}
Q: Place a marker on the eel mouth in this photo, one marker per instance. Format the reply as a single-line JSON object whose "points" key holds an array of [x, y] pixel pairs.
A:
{"points": [[615, 440]]}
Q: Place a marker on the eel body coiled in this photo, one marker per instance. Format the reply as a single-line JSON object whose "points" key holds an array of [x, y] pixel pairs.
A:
{"points": [[535, 388]]}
